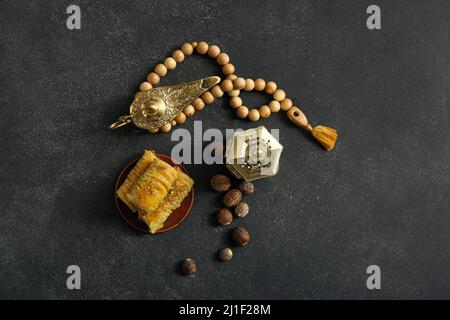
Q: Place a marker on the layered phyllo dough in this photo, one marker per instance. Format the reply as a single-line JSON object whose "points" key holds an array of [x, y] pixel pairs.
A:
{"points": [[154, 189]]}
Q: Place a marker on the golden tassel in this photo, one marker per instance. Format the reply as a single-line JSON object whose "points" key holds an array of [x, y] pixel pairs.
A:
{"points": [[325, 135]]}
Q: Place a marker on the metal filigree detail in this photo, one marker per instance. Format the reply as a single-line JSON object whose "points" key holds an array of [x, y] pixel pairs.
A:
{"points": [[157, 107]]}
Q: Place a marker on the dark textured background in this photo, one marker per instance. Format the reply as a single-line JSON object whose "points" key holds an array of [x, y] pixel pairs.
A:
{"points": [[381, 197]]}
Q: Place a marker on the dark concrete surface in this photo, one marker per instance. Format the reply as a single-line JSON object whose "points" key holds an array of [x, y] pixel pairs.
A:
{"points": [[381, 197]]}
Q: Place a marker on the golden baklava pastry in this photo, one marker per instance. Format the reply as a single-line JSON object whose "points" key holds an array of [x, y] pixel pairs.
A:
{"points": [[152, 186], [141, 166], [179, 190]]}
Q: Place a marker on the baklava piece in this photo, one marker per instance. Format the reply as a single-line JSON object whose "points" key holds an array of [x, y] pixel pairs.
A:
{"points": [[152, 187], [141, 166], [177, 193]]}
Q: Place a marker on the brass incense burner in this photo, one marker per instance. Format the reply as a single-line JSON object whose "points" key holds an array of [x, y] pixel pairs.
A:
{"points": [[158, 106]]}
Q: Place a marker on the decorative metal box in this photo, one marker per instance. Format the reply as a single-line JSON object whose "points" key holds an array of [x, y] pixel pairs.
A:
{"points": [[253, 154]]}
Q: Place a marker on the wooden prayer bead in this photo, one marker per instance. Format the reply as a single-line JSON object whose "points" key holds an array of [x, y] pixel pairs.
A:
{"points": [[279, 95], [153, 78], [178, 56], [254, 115], [198, 104], [274, 106], [180, 118], [227, 85], [213, 51], [270, 87], [239, 83], [187, 49], [264, 111], [161, 70], [170, 63], [260, 84], [286, 104], [208, 97], [223, 59], [235, 102], [234, 93], [242, 112], [249, 85], [145, 86], [217, 91], [189, 111], [166, 128], [202, 47], [228, 69]]}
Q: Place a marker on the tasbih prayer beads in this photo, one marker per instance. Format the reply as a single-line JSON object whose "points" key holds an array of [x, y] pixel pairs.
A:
{"points": [[233, 85]]}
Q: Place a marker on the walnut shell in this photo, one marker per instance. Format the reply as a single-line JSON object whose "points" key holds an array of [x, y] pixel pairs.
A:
{"points": [[220, 183], [232, 198], [241, 236]]}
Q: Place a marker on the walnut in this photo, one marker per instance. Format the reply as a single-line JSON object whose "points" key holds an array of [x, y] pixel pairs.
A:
{"points": [[247, 187], [225, 254], [241, 236], [189, 266], [232, 198], [220, 183], [224, 216], [241, 210]]}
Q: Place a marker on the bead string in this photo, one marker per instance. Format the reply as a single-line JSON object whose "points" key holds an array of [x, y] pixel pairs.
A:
{"points": [[232, 85]]}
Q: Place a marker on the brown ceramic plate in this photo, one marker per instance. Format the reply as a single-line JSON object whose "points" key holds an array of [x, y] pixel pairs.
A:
{"points": [[177, 216]]}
